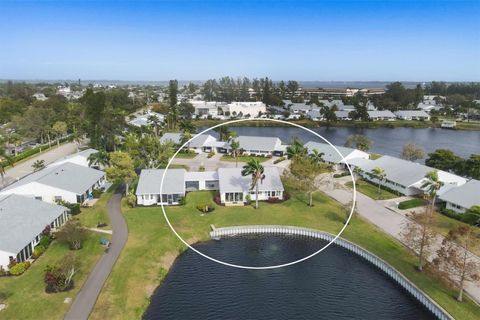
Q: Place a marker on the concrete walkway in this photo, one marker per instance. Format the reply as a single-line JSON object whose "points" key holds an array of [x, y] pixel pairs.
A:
{"points": [[387, 220], [87, 297], [24, 168]]}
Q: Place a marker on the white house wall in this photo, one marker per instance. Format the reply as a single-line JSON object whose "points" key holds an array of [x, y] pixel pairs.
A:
{"points": [[48, 193]]}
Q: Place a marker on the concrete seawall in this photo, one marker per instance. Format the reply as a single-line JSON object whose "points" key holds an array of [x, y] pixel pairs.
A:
{"points": [[423, 298]]}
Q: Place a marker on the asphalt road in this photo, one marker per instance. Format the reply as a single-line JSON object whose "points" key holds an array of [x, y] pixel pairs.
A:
{"points": [[22, 169], [83, 304]]}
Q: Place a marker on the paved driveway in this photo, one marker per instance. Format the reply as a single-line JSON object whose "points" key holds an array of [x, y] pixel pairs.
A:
{"points": [[389, 221], [83, 304]]}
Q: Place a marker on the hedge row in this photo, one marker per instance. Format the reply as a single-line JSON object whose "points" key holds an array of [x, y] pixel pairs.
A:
{"points": [[413, 203]]}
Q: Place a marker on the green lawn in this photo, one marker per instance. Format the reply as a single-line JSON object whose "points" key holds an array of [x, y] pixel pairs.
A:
{"points": [[25, 295], [371, 190], [412, 203], [227, 157], [186, 155], [29, 287], [152, 248]]}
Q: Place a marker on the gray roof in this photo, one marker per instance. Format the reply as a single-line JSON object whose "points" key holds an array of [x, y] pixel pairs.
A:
{"points": [[299, 107], [174, 137], [406, 172], [201, 175], [22, 219], [466, 195], [200, 140], [342, 114], [381, 114], [68, 176], [314, 113], [411, 113], [259, 143], [330, 154], [231, 180], [150, 181]]}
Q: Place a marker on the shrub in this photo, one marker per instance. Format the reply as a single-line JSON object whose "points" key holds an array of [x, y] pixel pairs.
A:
{"points": [[73, 233], [201, 168], [470, 218], [73, 207], [205, 208], [19, 268], [39, 250], [274, 200], [47, 231], [3, 272], [343, 174], [286, 196], [44, 241], [59, 278], [131, 200], [182, 201], [217, 199], [279, 160], [248, 199], [210, 154], [96, 193]]}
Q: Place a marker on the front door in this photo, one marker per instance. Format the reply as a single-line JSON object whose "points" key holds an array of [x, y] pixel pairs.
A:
{"points": [[170, 198]]}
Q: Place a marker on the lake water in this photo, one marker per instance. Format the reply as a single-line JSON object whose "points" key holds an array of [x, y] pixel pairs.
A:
{"points": [[332, 285], [385, 140]]}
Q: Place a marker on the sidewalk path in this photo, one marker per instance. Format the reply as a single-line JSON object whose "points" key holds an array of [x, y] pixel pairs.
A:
{"points": [[387, 220], [83, 304], [24, 168]]}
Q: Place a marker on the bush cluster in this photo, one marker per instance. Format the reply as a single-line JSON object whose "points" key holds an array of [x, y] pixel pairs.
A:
{"points": [[73, 207], [210, 154], [279, 160], [39, 250], [205, 207], [19, 268], [217, 199], [469, 217], [412, 203], [96, 193], [343, 174]]}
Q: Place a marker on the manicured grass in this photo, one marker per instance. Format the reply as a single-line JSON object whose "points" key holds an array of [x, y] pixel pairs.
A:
{"points": [[412, 203], [371, 190], [186, 155], [90, 217], [152, 248], [25, 295], [228, 157]]}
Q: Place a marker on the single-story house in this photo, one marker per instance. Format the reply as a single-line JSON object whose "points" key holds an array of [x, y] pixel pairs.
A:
{"points": [[261, 146], [343, 115], [463, 197], [68, 182], [234, 188], [381, 115], [203, 142], [80, 158], [143, 120], [22, 220], [428, 106], [300, 108], [149, 183], [330, 155], [404, 176], [244, 109], [204, 180], [205, 108], [315, 114], [412, 115], [172, 137]]}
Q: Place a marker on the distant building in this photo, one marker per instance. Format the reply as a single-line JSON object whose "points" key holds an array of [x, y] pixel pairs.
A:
{"points": [[144, 119], [381, 115], [244, 109], [204, 109], [412, 115], [40, 96], [261, 146]]}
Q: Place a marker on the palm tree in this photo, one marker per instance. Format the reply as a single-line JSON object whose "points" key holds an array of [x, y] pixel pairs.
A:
{"points": [[38, 165], [254, 168], [100, 158], [235, 150], [316, 157], [380, 174], [155, 122], [431, 186], [223, 133], [187, 126], [296, 150]]}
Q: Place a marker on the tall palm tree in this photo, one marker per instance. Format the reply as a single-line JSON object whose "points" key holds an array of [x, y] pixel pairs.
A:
{"points": [[316, 157], [187, 126], [100, 158], [431, 186], [235, 150], [254, 168], [155, 123], [380, 174], [223, 133], [296, 150]]}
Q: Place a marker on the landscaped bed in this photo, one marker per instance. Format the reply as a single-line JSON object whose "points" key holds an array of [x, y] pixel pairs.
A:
{"points": [[186, 155], [152, 248], [412, 203], [227, 157], [371, 190]]}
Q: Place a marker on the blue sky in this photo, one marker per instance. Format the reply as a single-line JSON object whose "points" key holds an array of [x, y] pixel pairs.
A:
{"points": [[196, 40]]}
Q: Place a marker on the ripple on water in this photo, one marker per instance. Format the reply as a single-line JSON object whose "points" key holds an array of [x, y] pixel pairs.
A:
{"points": [[332, 285]]}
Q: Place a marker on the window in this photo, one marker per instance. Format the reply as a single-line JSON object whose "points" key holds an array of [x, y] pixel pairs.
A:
{"points": [[58, 198], [38, 198]]}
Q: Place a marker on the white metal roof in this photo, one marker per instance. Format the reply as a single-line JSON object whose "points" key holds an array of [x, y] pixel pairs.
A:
{"points": [[466, 195], [231, 180]]}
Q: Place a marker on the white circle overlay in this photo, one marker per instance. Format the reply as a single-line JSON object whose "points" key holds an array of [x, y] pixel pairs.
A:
{"points": [[260, 267]]}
